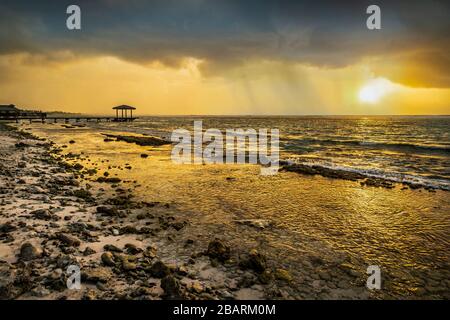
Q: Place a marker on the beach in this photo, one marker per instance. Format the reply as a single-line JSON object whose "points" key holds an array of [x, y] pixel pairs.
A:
{"points": [[141, 227]]}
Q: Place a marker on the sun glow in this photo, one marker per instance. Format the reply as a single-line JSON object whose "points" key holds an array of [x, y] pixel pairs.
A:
{"points": [[374, 90]]}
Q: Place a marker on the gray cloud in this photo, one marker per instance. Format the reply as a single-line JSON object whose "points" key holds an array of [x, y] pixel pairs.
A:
{"points": [[229, 33]]}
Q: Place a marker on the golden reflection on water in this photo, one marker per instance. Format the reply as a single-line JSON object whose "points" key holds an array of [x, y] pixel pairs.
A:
{"points": [[393, 228]]}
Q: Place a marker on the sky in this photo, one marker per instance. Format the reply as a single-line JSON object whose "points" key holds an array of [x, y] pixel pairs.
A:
{"points": [[231, 57]]}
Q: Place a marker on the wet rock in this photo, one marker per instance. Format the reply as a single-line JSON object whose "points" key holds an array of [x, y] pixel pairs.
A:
{"points": [[376, 182], [68, 240], [88, 251], [44, 214], [77, 166], [132, 249], [128, 265], [29, 252], [218, 250], [7, 227], [40, 292], [325, 172], [83, 194], [159, 269], [197, 287], [108, 259], [56, 280], [255, 261], [265, 277], [282, 274], [171, 287], [112, 248], [7, 277], [99, 274], [256, 223], [64, 260], [141, 141], [128, 230], [150, 252], [108, 179], [178, 225], [89, 295], [110, 211]]}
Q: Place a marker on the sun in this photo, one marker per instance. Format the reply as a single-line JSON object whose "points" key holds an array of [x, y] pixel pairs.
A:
{"points": [[374, 90]]}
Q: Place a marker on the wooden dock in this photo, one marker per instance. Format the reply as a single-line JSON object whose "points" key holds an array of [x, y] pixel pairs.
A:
{"points": [[67, 119], [11, 113]]}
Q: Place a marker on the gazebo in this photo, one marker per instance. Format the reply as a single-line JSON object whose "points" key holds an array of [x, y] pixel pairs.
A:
{"points": [[124, 117]]}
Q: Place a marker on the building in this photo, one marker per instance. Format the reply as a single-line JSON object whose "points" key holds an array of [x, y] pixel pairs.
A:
{"points": [[8, 111]]}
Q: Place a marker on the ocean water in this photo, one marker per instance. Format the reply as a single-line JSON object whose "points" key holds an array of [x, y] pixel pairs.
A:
{"points": [[397, 148], [404, 231]]}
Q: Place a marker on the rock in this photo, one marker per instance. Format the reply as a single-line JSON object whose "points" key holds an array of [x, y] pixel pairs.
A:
{"points": [[132, 249], [171, 287], [112, 248], [128, 266], [255, 261], [218, 250], [265, 277], [109, 179], [108, 259], [324, 275], [143, 155], [256, 223], [68, 240], [83, 194], [88, 251], [72, 141], [110, 211], [150, 252], [77, 166], [159, 269], [197, 287], [177, 225], [142, 141], [29, 252], [128, 230], [99, 274], [282, 274], [89, 295], [43, 214], [40, 291], [7, 227], [7, 277]]}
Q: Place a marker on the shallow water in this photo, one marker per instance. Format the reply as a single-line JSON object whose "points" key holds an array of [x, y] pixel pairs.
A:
{"points": [[414, 148], [406, 232]]}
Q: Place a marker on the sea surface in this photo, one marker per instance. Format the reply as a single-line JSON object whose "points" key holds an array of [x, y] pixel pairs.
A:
{"points": [[413, 149], [406, 232]]}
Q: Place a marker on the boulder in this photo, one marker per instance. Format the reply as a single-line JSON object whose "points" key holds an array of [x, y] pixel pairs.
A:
{"points": [[29, 252], [218, 250], [171, 287], [68, 240]]}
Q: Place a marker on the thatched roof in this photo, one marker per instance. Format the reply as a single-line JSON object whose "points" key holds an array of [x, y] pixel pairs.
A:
{"points": [[124, 107]]}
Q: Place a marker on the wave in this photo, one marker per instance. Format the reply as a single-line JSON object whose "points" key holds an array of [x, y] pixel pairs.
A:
{"points": [[398, 146], [351, 173]]}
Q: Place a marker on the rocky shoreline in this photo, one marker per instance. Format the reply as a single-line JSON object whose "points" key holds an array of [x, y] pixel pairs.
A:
{"points": [[52, 218], [60, 209]]}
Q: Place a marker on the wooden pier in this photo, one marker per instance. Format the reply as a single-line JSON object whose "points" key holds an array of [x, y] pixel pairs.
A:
{"points": [[11, 113]]}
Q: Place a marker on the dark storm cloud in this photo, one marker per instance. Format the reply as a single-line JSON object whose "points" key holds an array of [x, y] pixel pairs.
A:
{"points": [[229, 33]]}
